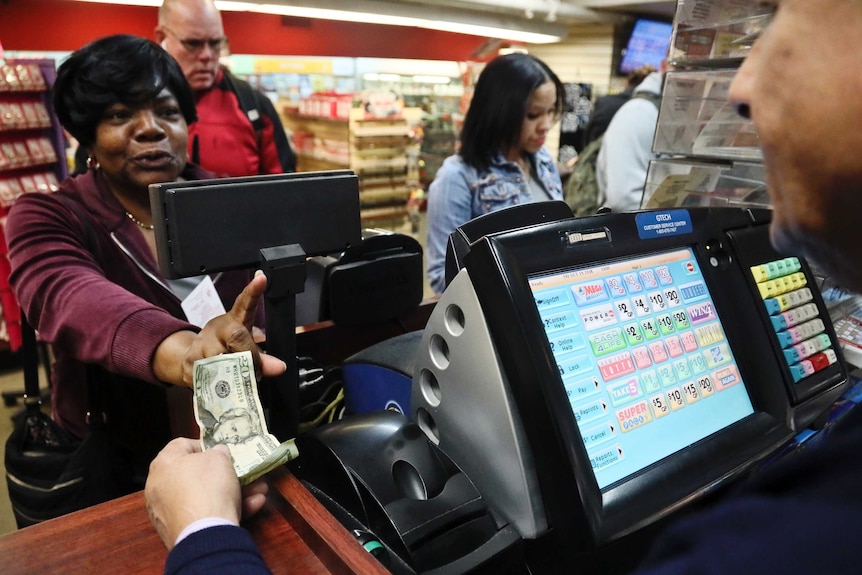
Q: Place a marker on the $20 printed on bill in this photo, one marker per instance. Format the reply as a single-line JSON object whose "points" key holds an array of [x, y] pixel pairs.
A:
{"points": [[228, 411]]}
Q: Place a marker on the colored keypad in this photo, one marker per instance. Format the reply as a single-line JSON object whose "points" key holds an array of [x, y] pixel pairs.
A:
{"points": [[795, 318]]}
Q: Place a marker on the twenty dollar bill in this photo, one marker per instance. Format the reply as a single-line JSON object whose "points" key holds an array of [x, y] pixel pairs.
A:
{"points": [[228, 411]]}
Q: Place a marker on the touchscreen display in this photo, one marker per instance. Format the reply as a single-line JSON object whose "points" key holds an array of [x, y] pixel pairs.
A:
{"points": [[643, 357]]}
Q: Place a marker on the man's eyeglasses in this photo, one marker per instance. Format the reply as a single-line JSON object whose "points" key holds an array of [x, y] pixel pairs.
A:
{"points": [[194, 46]]}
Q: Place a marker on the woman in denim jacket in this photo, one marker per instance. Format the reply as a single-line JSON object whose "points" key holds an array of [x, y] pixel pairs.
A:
{"points": [[502, 159]]}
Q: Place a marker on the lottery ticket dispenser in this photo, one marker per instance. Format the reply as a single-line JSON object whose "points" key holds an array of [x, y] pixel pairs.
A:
{"points": [[593, 375]]}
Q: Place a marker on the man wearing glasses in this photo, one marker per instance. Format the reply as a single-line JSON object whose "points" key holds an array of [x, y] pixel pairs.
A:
{"points": [[238, 132]]}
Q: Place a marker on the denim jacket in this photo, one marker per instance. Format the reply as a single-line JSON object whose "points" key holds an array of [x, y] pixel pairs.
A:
{"points": [[460, 193]]}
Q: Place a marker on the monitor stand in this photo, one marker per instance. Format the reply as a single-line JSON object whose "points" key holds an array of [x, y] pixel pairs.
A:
{"points": [[285, 271]]}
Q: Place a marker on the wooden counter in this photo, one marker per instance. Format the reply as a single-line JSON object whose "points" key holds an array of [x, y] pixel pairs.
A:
{"points": [[294, 532]]}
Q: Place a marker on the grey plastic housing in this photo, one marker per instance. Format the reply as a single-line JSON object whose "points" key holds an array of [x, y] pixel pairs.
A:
{"points": [[457, 372]]}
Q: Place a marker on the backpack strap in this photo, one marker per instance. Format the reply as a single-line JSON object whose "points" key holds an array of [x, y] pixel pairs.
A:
{"points": [[247, 97], [643, 95], [255, 105]]}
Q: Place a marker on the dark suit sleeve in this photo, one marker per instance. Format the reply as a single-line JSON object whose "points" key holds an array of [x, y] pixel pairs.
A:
{"points": [[221, 550], [797, 516]]}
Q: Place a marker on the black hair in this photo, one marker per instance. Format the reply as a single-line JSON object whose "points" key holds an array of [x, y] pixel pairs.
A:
{"points": [[120, 68], [499, 103]]}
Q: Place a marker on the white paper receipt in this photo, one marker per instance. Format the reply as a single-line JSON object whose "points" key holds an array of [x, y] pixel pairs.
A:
{"points": [[203, 303]]}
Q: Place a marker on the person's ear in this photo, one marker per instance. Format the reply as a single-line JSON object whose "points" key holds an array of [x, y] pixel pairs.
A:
{"points": [[160, 37]]}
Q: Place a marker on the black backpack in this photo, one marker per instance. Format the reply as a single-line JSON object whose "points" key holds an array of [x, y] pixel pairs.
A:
{"points": [[582, 188]]}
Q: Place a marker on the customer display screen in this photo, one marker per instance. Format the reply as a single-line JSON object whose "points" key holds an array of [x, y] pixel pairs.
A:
{"points": [[643, 358]]}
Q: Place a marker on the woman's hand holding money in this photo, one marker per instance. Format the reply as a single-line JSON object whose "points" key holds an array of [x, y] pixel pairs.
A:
{"points": [[174, 359]]}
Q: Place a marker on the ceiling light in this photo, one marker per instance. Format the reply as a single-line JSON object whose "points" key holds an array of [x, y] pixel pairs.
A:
{"points": [[431, 79], [155, 3], [377, 77], [376, 12]]}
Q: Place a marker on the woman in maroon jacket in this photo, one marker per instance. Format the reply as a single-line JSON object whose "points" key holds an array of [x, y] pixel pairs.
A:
{"points": [[84, 267]]}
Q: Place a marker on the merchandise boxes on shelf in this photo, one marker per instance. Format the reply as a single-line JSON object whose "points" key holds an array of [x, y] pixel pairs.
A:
{"points": [[32, 158], [320, 142], [711, 155], [380, 149], [380, 153]]}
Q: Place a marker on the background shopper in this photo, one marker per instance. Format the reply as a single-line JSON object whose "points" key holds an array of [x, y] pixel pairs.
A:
{"points": [[606, 106], [238, 132], [502, 160], [623, 161]]}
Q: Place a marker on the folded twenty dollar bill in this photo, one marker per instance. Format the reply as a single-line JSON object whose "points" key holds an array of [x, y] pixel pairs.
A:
{"points": [[228, 411]]}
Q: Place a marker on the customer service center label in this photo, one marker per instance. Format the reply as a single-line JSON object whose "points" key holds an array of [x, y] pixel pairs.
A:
{"points": [[661, 224]]}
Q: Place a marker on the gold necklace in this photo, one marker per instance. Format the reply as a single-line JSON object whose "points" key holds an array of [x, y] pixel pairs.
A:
{"points": [[140, 224]]}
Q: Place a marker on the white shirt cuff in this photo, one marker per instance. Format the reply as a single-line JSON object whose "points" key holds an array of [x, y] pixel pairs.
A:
{"points": [[200, 525]]}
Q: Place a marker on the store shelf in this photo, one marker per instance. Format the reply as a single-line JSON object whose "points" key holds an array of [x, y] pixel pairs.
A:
{"points": [[378, 150], [376, 165], [377, 128], [32, 155], [309, 163]]}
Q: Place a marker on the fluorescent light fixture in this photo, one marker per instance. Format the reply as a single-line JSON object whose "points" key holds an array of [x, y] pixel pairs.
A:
{"points": [[394, 14], [155, 3], [431, 79], [427, 79], [374, 77]]}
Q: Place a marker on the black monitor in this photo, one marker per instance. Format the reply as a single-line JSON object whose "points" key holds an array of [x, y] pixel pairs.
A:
{"points": [[642, 41], [270, 222], [206, 226], [594, 375]]}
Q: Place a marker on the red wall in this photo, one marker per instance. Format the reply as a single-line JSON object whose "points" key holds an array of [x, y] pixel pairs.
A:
{"points": [[60, 25]]}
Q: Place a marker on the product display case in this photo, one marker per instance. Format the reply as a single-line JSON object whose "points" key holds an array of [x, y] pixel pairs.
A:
{"points": [[696, 118], [716, 33], [688, 182], [710, 156], [32, 158]]}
